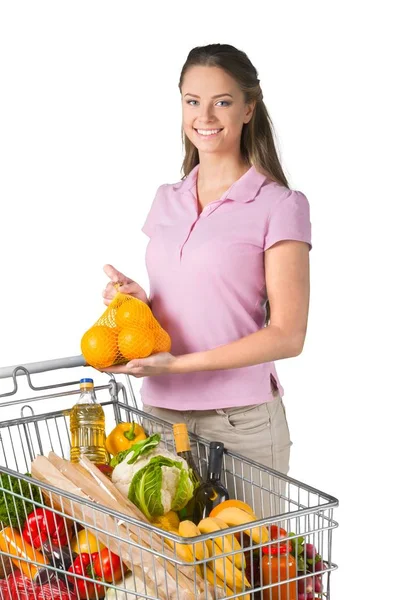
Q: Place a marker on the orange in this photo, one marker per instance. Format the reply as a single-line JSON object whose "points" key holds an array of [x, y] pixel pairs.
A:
{"points": [[135, 342], [232, 503], [162, 341], [99, 346], [133, 312]]}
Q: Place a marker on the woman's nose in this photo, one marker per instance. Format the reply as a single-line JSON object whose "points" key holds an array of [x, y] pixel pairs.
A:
{"points": [[206, 114]]}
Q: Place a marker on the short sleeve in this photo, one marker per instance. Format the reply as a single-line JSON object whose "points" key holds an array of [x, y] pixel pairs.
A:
{"points": [[289, 220], [155, 213]]}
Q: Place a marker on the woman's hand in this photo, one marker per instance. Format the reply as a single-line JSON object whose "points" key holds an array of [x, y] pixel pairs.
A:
{"points": [[157, 364], [128, 286]]}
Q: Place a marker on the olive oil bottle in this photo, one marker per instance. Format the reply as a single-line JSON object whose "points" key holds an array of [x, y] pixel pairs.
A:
{"points": [[87, 426]]}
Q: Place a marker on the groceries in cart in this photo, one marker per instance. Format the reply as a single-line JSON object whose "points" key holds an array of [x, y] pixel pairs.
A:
{"points": [[131, 515], [126, 330]]}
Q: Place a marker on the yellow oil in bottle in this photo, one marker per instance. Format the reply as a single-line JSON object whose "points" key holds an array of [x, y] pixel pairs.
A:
{"points": [[87, 427]]}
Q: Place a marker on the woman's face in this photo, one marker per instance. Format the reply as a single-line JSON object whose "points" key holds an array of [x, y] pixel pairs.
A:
{"points": [[213, 110]]}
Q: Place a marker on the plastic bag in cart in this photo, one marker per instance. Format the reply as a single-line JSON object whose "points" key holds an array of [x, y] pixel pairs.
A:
{"points": [[126, 330]]}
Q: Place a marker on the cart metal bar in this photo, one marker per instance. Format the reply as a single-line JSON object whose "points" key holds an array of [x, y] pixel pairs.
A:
{"points": [[43, 366]]}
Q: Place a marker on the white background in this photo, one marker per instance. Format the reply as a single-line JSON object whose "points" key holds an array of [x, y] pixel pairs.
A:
{"points": [[90, 127]]}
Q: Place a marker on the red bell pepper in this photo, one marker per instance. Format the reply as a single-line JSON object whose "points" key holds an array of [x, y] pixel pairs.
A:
{"points": [[42, 525], [82, 565]]}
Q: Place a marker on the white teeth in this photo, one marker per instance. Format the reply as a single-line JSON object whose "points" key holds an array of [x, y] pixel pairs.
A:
{"points": [[208, 131]]}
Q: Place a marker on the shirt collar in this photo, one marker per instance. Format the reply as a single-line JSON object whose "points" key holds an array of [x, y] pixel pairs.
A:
{"points": [[243, 190]]}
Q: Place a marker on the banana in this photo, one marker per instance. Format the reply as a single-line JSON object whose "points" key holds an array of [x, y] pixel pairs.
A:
{"points": [[236, 516], [215, 580], [226, 543], [226, 571], [189, 529], [221, 524], [183, 551]]}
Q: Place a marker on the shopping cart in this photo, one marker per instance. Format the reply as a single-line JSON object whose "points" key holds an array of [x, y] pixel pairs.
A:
{"points": [[156, 563]]}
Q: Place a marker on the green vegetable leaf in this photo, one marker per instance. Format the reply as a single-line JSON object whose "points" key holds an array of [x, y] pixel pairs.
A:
{"points": [[146, 489], [13, 510], [144, 447], [301, 567], [297, 544], [139, 449], [184, 490]]}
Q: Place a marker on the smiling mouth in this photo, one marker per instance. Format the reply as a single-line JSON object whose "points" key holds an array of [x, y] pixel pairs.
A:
{"points": [[208, 132]]}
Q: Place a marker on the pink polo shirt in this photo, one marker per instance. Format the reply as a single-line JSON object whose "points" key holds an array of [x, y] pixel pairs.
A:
{"points": [[207, 282]]}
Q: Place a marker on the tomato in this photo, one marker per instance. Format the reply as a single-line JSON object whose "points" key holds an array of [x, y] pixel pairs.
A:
{"points": [[108, 566], [106, 469], [86, 590], [276, 532]]}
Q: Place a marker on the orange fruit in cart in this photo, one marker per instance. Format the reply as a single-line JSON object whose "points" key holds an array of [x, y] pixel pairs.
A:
{"points": [[135, 342], [162, 341], [99, 346], [133, 312], [232, 503]]}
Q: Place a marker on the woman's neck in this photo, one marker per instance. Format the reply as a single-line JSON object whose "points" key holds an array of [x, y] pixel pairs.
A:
{"points": [[215, 177], [215, 172]]}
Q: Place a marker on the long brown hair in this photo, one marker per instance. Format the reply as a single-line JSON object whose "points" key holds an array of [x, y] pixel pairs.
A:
{"points": [[257, 143]]}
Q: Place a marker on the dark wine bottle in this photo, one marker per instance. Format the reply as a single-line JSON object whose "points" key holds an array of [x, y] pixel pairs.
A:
{"points": [[211, 492], [182, 448]]}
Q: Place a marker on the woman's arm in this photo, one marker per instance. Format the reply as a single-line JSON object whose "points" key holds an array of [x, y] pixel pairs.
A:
{"points": [[288, 284]]}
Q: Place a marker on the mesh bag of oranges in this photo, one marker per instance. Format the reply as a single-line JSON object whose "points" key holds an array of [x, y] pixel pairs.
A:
{"points": [[126, 330]]}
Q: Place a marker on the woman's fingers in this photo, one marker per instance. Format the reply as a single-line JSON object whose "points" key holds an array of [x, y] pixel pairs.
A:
{"points": [[115, 275], [126, 286], [131, 288], [109, 293]]}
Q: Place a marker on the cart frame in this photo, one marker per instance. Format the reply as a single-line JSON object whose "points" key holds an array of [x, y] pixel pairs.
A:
{"points": [[309, 512]]}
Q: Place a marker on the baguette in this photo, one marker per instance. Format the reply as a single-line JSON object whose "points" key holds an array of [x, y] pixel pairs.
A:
{"points": [[171, 581], [103, 491]]}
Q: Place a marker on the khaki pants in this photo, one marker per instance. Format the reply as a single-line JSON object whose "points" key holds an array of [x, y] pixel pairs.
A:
{"points": [[259, 433]]}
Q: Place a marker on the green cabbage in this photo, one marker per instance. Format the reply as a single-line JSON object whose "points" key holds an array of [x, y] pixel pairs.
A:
{"points": [[161, 485]]}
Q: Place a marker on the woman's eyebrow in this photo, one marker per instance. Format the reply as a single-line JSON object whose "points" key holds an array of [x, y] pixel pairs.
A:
{"points": [[213, 97]]}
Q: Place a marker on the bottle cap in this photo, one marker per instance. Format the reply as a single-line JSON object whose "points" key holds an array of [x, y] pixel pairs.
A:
{"points": [[181, 437], [277, 549], [217, 446], [86, 382], [179, 428]]}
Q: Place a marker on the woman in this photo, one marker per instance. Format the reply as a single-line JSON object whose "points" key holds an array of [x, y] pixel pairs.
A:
{"points": [[228, 254]]}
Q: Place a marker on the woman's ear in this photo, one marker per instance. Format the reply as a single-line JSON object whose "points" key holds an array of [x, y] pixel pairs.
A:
{"points": [[249, 111]]}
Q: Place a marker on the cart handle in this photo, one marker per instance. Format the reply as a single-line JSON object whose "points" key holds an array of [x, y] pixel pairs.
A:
{"points": [[44, 365]]}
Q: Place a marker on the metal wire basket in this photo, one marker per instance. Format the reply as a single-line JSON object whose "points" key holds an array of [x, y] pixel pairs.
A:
{"points": [[149, 562]]}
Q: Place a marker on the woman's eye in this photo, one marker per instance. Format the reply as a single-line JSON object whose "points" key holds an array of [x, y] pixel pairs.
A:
{"points": [[220, 102]]}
